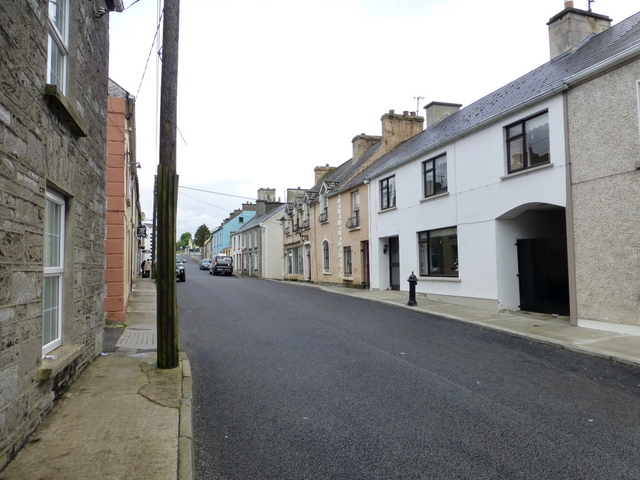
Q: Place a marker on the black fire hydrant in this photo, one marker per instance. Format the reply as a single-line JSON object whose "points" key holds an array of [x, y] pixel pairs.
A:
{"points": [[413, 281]]}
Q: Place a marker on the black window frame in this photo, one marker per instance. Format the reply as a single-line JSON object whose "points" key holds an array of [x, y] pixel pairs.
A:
{"points": [[517, 134], [432, 243], [388, 186], [430, 171]]}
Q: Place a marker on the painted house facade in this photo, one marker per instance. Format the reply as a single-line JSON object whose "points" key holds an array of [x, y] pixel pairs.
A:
{"points": [[123, 247], [53, 142], [476, 205], [257, 246], [221, 236]]}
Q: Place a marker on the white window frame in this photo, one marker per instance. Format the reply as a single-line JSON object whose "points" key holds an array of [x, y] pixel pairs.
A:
{"points": [[58, 46], [348, 262], [53, 272]]}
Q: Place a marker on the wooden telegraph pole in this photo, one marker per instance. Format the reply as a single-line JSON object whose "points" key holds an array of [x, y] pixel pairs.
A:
{"points": [[167, 193]]}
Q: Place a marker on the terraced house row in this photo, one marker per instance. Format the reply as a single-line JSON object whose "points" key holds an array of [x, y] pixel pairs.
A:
{"points": [[527, 199]]}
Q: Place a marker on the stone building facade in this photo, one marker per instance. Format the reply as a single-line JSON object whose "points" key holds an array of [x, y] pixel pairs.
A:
{"points": [[53, 114]]}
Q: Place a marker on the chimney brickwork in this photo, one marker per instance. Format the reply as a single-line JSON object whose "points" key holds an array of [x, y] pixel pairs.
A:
{"points": [[398, 128], [361, 143], [320, 172]]}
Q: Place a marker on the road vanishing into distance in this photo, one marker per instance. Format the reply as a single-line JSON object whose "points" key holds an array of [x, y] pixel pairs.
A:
{"points": [[292, 382]]}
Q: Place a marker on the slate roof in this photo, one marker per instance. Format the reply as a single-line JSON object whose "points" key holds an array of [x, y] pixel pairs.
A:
{"points": [[545, 80], [344, 173]]}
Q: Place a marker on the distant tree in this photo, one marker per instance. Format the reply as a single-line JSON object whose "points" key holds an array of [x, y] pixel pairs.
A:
{"points": [[184, 241], [202, 233]]}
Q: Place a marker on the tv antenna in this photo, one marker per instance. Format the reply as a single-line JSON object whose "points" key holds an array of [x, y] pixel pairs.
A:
{"points": [[590, 2], [417, 99]]}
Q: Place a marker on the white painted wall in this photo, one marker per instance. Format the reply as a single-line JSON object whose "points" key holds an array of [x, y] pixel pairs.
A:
{"points": [[481, 201]]}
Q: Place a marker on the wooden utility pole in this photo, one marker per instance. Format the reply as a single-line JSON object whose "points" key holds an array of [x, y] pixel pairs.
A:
{"points": [[167, 193]]}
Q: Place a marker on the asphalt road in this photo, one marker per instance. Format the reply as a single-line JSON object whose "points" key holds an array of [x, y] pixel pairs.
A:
{"points": [[291, 382]]}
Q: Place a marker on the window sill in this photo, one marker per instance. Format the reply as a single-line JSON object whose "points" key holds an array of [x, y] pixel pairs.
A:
{"points": [[61, 106], [526, 171], [433, 197], [65, 355], [388, 209], [439, 279], [353, 229]]}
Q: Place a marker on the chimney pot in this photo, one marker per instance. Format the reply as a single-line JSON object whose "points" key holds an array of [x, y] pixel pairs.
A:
{"points": [[405, 113], [568, 4], [391, 112]]}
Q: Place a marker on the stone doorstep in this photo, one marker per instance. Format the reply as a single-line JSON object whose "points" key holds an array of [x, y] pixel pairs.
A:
{"points": [[65, 355]]}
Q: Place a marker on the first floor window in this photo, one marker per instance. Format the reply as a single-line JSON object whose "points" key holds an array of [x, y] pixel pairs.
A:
{"points": [[53, 272], [434, 173], [388, 193], [58, 43], [348, 268], [528, 143], [438, 252], [325, 256]]}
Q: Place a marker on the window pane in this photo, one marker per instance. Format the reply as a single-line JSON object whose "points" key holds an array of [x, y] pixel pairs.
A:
{"points": [[52, 234], [441, 174], [538, 140], [51, 308], [392, 192], [443, 252], [57, 14], [515, 130], [384, 192], [429, 187], [422, 253], [55, 75], [515, 155]]}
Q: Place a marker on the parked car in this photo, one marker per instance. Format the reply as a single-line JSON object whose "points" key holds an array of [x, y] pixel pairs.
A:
{"points": [[180, 272], [222, 264], [205, 264]]}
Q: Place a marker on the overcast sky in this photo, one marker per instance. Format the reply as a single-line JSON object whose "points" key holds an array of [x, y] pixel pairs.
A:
{"points": [[269, 89]]}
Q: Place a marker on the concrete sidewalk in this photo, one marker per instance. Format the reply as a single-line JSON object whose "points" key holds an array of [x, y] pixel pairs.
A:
{"points": [[123, 418], [549, 329]]}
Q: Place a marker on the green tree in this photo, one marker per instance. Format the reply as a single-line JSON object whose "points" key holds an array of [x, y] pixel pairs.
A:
{"points": [[202, 233], [184, 241]]}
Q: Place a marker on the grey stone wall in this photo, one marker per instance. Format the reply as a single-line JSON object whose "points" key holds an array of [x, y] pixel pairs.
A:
{"points": [[41, 148]]}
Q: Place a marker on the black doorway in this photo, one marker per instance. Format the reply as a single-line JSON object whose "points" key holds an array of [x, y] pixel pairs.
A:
{"points": [[543, 275], [394, 263]]}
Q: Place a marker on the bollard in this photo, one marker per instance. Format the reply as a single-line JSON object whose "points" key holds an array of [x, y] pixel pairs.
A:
{"points": [[413, 280]]}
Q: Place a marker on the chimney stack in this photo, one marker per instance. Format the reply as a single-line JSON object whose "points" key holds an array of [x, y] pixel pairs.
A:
{"points": [[398, 128], [320, 172], [436, 111], [571, 26], [361, 143]]}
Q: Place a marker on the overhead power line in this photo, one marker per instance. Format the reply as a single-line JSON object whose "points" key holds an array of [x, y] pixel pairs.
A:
{"points": [[216, 193]]}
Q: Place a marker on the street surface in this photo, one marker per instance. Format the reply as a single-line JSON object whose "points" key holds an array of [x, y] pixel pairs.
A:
{"points": [[291, 382]]}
